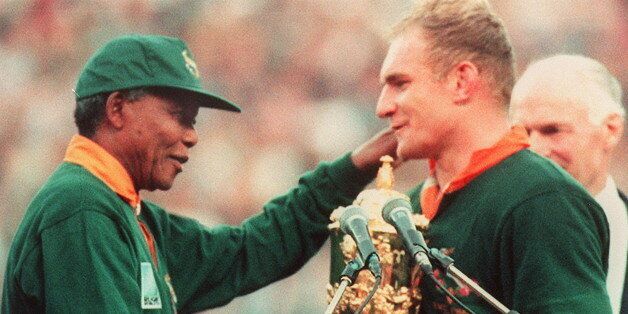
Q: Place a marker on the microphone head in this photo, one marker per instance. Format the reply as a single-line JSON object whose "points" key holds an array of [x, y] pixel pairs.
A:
{"points": [[393, 204], [349, 215]]}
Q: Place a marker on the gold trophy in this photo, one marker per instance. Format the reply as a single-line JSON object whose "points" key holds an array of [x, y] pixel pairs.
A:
{"points": [[398, 291]]}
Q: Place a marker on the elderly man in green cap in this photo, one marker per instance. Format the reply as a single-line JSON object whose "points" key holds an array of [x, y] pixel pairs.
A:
{"points": [[89, 243]]}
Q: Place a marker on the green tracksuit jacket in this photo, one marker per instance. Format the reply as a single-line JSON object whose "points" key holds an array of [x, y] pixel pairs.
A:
{"points": [[79, 248]]}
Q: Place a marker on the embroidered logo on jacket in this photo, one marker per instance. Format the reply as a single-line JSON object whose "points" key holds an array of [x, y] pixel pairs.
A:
{"points": [[150, 291]]}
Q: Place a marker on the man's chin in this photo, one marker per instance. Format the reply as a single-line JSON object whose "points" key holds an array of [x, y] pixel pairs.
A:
{"points": [[162, 185], [165, 187]]}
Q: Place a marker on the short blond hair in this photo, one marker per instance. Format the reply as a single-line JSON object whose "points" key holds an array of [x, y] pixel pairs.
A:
{"points": [[459, 30]]}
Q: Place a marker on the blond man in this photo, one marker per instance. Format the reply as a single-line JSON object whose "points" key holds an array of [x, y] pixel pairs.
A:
{"points": [[507, 216]]}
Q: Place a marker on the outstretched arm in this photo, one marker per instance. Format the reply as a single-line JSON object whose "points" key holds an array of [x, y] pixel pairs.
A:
{"points": [[366, 157]]}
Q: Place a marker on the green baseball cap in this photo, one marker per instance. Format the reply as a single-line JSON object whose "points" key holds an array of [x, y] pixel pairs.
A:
{"points": [[135, 61]]}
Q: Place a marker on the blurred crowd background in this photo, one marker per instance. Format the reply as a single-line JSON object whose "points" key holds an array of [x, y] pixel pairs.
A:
{"points": [[305, 73]]}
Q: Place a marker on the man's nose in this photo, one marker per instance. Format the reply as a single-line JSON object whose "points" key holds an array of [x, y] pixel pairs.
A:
{"points": [[190, 138], [385, 105], [539, 144]]}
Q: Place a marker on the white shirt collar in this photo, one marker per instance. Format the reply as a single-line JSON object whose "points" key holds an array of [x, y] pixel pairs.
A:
{"points": [[608, 193], [617, 218]]}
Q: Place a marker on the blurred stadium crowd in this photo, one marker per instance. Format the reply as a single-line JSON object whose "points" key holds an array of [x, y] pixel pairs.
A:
{"points": [[305, 73]]}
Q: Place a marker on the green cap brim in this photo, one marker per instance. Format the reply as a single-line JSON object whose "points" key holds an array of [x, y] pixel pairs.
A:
{"points": [[209, 100]]}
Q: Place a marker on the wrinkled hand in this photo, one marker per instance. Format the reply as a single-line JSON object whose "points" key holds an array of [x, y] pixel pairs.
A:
{"points": [[368, 154]]}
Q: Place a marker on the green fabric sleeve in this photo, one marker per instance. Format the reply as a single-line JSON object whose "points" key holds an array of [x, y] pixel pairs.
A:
{"points": [[88, 266], [558, 248], [209, 267]]}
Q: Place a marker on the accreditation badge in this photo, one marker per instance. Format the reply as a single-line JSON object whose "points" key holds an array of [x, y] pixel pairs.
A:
{"points": [[150, 291]]}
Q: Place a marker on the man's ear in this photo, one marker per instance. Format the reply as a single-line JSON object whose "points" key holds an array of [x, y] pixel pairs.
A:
{"points": [[614, 129], [463, 81], [113, 109]]}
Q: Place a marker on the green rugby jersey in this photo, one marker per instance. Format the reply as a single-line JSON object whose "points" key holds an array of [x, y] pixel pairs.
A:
{"points": [[79, 248], [527, 233]]}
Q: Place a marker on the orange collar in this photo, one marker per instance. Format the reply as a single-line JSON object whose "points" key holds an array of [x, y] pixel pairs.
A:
{"points": [[432, 194], [91, 156]]}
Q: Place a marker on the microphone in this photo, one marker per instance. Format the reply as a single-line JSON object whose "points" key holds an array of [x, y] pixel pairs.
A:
{"points": [[397, 212], [354, 222]]}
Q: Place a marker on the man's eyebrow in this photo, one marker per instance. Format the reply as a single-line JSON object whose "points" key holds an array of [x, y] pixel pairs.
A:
{"points": [[547, 124], [391, 78]]}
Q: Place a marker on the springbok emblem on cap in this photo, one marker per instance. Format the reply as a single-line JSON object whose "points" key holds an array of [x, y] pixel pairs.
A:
{"points": [[189, 63]]}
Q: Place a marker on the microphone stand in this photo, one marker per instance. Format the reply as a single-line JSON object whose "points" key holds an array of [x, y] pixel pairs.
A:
{"points": [[446, 263], [347, 277]]}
